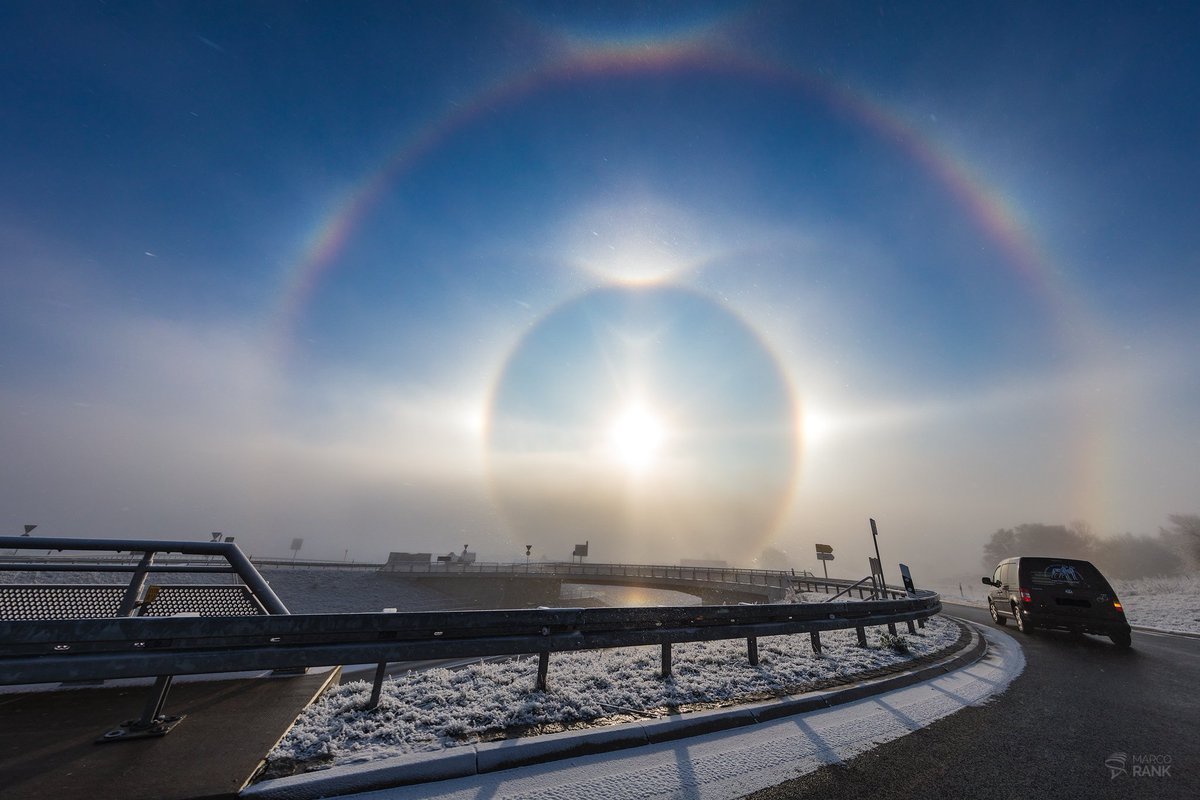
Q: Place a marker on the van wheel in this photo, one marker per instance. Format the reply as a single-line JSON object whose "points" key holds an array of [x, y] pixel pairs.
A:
{"points": [[1023, 626], [1121, 639], [996, 618]]}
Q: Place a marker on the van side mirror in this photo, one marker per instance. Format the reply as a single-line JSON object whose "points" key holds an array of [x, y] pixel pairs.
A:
{"points": [[990, 582]]}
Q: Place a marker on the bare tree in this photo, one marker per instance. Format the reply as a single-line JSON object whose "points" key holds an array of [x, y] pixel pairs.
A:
{"points": [[1184, 536]]}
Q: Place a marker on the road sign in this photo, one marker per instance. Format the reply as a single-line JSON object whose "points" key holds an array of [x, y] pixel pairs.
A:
{"points": [[906, 576], [824, 548], [824, 556]]}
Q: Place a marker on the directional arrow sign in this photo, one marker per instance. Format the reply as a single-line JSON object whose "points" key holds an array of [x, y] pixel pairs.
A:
{"points": [[824, 548], [824, 556]]}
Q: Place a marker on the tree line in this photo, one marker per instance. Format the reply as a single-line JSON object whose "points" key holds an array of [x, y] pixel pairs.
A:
{"points": [[1175, 550]]}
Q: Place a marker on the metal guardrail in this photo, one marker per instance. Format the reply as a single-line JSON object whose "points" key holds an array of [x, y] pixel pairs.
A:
{"points": [[123, 647], [70, 650], [149, 550], [840, 586]]}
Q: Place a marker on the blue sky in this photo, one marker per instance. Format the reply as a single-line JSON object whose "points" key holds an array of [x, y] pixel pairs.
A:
{"points": [[687, 279]]}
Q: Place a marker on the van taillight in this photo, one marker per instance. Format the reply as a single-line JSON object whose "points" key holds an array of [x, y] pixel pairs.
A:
{"points": [[1117, 605], [1026, 596]]}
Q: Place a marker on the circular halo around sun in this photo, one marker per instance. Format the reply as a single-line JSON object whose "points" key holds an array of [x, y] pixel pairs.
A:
{"points": [[650, 421]]}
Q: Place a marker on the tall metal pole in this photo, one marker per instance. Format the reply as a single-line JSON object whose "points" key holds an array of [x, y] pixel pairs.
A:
{"points": [[825, 566], [875, 538]]}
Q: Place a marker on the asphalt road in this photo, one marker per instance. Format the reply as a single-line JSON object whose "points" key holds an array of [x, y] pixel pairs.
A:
{"points": [[1079, 701]]}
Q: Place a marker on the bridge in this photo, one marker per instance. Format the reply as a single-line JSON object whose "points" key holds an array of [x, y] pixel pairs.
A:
{"points": [[540, 583]]}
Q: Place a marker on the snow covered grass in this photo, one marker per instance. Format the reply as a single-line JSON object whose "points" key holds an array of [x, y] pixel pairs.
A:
{"points": [[442, 708], [1170, 604]]}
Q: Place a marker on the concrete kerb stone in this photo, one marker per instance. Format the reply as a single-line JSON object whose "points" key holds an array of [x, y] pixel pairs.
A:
{"points": [[464, 761], [695, 723], [510, 753], [402, 770]]}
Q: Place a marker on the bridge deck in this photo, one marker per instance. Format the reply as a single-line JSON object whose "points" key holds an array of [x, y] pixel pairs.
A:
{"points": [[47, 739]]}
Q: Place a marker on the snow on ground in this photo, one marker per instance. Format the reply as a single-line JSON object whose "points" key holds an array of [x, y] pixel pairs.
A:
{"points": [[733, 763], [1170, 604], [442, 708]]}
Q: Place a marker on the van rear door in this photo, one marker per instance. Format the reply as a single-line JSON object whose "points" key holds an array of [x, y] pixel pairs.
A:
{"points": [[1066, 588]]}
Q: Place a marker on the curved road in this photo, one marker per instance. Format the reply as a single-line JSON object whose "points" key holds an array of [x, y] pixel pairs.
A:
{"points": [[1079, 702]]}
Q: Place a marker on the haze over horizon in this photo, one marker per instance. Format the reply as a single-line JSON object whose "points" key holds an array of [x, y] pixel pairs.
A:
{"points": [[684, 280]]}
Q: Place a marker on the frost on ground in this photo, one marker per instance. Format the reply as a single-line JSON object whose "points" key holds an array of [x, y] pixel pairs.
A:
{"points": [[1169, 604], [441, 708]]}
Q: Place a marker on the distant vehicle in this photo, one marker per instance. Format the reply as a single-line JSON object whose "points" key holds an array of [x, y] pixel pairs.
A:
{"points": [[1063, 593]]}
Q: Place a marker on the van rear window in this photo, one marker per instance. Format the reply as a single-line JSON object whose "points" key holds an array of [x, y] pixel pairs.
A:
{"points": [[1061, 572]]}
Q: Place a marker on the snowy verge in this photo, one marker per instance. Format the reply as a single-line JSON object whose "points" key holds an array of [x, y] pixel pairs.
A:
{"points": [[441, 709]]}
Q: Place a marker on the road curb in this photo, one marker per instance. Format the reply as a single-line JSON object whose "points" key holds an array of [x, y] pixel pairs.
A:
{"points": [[1165, 632], [465, 761]]}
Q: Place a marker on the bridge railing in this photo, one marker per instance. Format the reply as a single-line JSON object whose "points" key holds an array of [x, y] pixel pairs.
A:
{"points": [[731, 575], [139, 558]]}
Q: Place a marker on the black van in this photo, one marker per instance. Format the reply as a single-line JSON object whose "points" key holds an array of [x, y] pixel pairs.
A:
{"points": [[1056, 593]]}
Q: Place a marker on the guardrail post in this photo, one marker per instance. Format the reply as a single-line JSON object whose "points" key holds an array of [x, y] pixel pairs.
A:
{"points": [[911, 627], [815, 636], [921, 622], [752, 650], [666, 659], [862, 636], [543, 669], [377, 688], [892, 628]]}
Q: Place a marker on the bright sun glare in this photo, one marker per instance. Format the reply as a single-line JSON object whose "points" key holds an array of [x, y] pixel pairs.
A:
{"points": [[635, 438]]}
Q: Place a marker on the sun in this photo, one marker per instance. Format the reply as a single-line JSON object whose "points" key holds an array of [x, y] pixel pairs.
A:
{"points": [[635, 437]]}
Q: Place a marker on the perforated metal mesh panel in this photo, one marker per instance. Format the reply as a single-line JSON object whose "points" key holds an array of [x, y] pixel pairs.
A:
{"points": [[62, 601], [207, 601]]}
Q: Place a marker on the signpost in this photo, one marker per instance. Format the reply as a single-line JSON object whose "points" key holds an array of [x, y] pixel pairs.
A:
{"points": [[824, 553], [581, 550], [875, 539], [296, 545]]}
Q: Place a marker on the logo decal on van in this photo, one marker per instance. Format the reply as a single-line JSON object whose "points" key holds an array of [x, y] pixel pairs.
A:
{"points": [[1063, 572]]}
